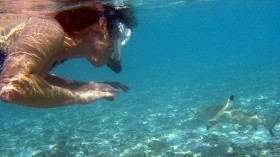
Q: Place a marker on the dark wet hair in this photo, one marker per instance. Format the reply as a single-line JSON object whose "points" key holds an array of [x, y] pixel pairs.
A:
{"points": [[77, 19]]}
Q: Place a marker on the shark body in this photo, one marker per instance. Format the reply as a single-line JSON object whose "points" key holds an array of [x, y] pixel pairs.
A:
{"points": [[227, 113]]}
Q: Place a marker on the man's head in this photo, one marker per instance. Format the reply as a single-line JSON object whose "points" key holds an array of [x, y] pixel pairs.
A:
{"points": [[103, 26]]}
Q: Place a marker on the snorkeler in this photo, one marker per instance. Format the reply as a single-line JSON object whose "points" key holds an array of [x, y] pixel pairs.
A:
{"points": [[32, 45]]}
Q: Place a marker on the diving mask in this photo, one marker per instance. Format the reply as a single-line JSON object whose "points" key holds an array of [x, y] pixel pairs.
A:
{"points": [[121, 35]]}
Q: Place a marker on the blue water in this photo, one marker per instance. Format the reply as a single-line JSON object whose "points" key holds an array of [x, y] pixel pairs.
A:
{"points": [[182, 58]]}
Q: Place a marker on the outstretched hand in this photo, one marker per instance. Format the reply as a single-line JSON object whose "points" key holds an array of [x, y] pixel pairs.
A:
{"points": [[93, 91], [106, 90]]}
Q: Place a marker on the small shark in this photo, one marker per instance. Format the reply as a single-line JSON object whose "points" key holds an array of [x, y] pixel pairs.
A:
{"points": [[226, 113]]}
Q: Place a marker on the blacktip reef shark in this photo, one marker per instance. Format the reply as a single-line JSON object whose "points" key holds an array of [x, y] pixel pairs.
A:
{"points": [[229, 114]]}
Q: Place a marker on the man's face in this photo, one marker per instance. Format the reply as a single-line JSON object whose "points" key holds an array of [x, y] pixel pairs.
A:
{"points": [[99, 43]]}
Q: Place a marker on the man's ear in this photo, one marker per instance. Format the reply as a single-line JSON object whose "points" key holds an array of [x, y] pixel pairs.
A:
{"points": [[102, 23]]}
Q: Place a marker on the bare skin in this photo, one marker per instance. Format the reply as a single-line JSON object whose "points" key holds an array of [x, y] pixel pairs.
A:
{"points": [[34, 44]]}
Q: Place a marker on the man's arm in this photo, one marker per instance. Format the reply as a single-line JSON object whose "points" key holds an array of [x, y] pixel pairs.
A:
{"points": [[31, 90], [75, 85], [63, 82], [20, 82]]}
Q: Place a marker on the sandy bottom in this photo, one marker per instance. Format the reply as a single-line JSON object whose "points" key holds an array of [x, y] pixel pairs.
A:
{"points": [[160, 121]]}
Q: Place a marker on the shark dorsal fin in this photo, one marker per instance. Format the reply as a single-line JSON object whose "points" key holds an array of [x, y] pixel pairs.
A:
{"points": [[229, 102]]}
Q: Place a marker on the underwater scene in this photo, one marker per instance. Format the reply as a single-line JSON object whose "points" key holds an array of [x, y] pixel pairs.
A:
{"points": [[204, 79]]}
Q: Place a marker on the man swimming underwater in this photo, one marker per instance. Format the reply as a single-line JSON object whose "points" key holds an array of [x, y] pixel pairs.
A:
{"points": [[32, 44]]}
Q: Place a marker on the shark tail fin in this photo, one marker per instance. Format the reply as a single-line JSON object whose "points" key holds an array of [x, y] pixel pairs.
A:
{"points": [[271, 125], [211, 122]]}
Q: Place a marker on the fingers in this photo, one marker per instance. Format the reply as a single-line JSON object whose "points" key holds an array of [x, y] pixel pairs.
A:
{"points": [[108, 88], [121, 86], [104, 87], [118, 85], [92, 96], [94, 91]]}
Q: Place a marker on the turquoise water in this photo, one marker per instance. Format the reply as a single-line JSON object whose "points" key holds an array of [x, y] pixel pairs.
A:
{"points": [[183, 57]]}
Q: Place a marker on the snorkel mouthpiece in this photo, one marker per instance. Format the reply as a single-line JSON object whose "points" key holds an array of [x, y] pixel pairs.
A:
{"points": [[121, 35], [115, 66], [115, 62]]}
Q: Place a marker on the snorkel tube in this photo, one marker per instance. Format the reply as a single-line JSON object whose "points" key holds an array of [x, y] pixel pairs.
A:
{"points": [[121, 35]]}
